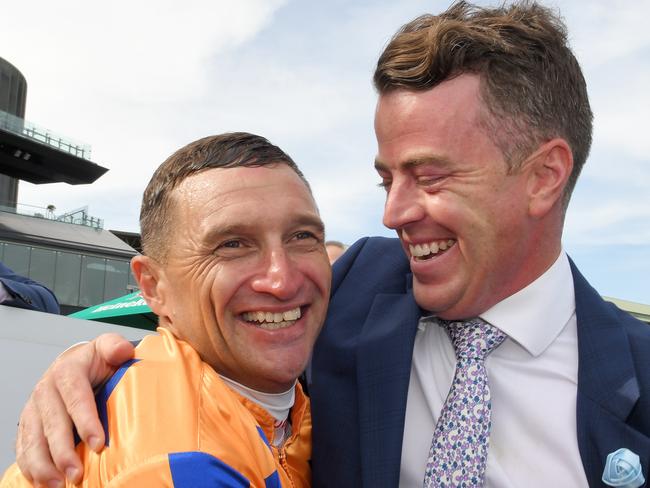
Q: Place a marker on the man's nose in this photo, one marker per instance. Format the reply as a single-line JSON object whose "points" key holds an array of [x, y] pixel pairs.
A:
{"points": [[279, 276], [402, 206]]}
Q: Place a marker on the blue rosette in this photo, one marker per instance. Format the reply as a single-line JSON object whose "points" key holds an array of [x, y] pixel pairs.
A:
{"points": [[623, 469]]}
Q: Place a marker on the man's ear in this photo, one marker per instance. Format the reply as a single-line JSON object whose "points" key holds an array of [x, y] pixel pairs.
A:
{"points": [[151, 280], [549, 173]]}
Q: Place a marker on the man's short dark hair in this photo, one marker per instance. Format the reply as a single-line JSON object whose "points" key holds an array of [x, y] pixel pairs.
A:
{"points": [[531, 83], [230, 150]]}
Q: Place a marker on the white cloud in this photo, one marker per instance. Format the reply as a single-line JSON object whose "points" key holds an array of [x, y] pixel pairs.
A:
{"points": [[140, 52], [620, 221], [620, 100], [603, 31]]}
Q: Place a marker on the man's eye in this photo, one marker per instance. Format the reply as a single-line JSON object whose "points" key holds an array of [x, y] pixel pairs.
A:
{"points": [[429, 180], [231, 244], [385, 184], [231, 248], [305, 235]]}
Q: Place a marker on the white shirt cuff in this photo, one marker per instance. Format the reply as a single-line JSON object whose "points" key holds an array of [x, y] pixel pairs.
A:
{"points": [[4, 294]]}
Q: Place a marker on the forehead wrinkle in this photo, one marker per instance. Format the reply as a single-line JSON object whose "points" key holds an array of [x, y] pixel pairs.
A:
{"points": [[211, 199], [193, 194]]}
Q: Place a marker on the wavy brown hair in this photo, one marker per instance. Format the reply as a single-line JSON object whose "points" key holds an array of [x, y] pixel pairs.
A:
{"points": [[532, 86]]}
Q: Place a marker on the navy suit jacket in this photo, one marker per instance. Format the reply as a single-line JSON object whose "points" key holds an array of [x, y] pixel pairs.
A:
{"points": [[26, 293], [362, 363]]}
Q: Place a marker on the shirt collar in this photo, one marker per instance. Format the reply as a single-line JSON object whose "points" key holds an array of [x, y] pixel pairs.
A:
{"points": [[536, 314]]}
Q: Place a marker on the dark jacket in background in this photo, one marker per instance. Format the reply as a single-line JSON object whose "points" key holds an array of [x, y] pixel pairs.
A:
{"points": [[26, 293]]}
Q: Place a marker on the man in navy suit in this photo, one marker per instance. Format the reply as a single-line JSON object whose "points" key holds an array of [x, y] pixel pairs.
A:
{"points": [[483, 125], [21, 292]]}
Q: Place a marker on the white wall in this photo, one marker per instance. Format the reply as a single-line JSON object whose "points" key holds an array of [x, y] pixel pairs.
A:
{"points": [[29, 342]]}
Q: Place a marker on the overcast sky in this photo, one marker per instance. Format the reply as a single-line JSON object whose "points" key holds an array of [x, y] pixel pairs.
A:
{"points": [[136, 80]]}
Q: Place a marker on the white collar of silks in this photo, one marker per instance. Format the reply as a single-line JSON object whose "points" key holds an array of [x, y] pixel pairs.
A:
{"points": [[623, 469]]}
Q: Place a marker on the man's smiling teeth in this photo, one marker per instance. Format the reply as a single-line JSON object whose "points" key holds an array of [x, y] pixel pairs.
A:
{"points": [[431, 248], [273, 320]]}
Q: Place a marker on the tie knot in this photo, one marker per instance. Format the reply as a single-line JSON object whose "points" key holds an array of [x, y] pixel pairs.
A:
{"points": [[473, 338]]}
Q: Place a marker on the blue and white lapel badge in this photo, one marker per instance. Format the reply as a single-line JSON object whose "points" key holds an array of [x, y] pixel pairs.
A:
{"points": [[623, 469]]}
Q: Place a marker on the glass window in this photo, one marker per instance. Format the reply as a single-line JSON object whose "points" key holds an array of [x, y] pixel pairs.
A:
{"points": [[41, 266], [117, 277], [17, 258], [93, 271], [68, 276]]}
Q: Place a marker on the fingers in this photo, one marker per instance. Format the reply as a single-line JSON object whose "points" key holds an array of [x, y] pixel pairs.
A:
{"points": [[57, 429], [75, 374], [32, 453], [45, 446], [112, 350]]}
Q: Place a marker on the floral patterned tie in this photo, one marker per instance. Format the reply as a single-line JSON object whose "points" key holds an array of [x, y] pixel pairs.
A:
{"points": [[459, 447]]}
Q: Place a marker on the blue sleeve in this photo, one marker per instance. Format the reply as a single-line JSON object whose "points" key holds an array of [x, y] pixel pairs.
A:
{"points": [[26, 293], [199, 469]]}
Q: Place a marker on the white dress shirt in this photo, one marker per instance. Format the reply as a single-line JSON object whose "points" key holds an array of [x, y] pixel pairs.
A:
{"points": [[533, 379]]}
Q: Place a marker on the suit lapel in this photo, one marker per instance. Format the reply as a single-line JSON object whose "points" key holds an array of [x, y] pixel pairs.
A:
{"points": [[384, 355], [607, 384]]}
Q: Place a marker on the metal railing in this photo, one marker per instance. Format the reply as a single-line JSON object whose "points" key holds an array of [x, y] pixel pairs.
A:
{"points": [[26, 129], [78, 217]]}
